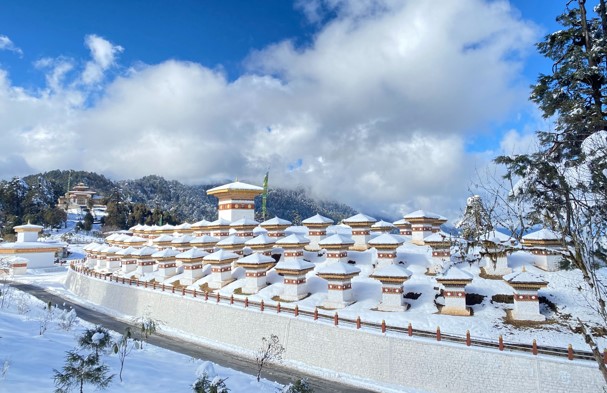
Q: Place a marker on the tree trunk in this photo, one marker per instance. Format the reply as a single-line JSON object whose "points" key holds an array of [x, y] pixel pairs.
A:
{"points": [[598, 357]]}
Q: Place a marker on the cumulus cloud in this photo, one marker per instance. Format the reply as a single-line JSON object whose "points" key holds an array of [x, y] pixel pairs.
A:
{"points": [[374, 112], [7, 44], [103, 55]]}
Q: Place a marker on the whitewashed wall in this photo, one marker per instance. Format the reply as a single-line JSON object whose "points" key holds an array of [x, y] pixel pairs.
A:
{"points": [[427, 365]]}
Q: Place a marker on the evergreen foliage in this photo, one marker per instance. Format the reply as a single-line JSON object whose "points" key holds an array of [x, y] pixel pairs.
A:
{"points": [[205, 385], [80, 370]]}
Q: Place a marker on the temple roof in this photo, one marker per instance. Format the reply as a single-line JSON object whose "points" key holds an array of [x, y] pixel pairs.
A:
{"points": [[163, 238], [126, 251], [231, 240], [221, 255], [192, 253], [276, 221], [524, 277], [386, 239], [382, 224], [256, 258], [395, 271], [454, 273], [423, 214], [135, 239], [437, 237], [339, 268], [317, 219], [359, 218], [336, 239], [293, 239], [297, 264], [542, 234], [145, 251], [112, 250], [244, 222], [220, 222], [166, 253], [205, 239], [235, 186], [200, 224], [402, 221], [260, 239], [182, 239]]}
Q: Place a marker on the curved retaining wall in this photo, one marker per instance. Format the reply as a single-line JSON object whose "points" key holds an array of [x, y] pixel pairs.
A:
{"points": [[402, 361]]}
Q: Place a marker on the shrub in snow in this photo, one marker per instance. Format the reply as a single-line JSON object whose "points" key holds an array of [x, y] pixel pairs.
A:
{"points": [[23, 305], [206, 368], [80, 370], [147, 325], [271, 351], [299, 386], [97, 339], [204, 384], [67, 319], [123, 348], [47, 316]]}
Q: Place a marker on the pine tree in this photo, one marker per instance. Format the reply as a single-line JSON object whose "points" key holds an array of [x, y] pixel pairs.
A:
{"points": [[566, 179], [80, 370]]}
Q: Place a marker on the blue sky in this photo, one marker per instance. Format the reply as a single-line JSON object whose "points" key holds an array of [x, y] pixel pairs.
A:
{"points": [[381, 94]]}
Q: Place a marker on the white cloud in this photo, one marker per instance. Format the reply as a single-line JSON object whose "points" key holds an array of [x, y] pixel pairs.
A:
{"points": [[103, 55], [7, 44], [377, 108]]}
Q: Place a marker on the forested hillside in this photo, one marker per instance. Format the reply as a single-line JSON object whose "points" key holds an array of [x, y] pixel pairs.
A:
{"points": [[142, 200]]}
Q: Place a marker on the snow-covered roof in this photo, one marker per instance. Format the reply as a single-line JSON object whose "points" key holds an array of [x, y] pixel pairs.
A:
{"points": [[235, 186], [336, 239], [386, 239], [297, 264], [90, 246], [137, 227], [395, 271], [276, 221], [126, 251], [163, 238], [166, 227], [524, 277], [219, 222], [166, 253], [145, 251], [30, 245], [112, 250], [231, 240], [455, 274], [200, 224], [436, 237], [260, 239], [185, 225], [382, 224], [496, 237], [542, 234], [338, 268], [221, 255], [112, 237], [244, 222], [182, 239], [293, 239], [359, 218], [402, 221], [317, 219], [256, 258], [423, 214], [192, 253], [28, 228], [204, 239], [135, 239]]}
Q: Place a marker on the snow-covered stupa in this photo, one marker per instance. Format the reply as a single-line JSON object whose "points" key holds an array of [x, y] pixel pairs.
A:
{"points": [[526, 299], [339, 277], [455, 280], [546, 247], [317, 230], [361, 230], [392, 278], [236, 200]]}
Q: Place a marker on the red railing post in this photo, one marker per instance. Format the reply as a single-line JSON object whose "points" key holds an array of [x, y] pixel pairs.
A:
{"points": [[383, 325], [172, 289], [194, 292], [246, 302], [261, 305], [534, 347], [336, 319], [231, 299], [154, 285], [358, 322], [296, 312], [163, 287], [145, 285], [468, 341], [183, 291], [501, 343], [438, 336], [278, 307], [218, 297], [410, 330], [206, 295], [570, 352], [315, 313]]}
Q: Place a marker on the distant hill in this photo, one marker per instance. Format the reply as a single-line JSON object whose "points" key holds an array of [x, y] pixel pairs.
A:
{"points": [[186, 202]]}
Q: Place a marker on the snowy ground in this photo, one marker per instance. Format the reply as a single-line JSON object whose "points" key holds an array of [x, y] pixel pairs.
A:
{"points": [[27, 358]]}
